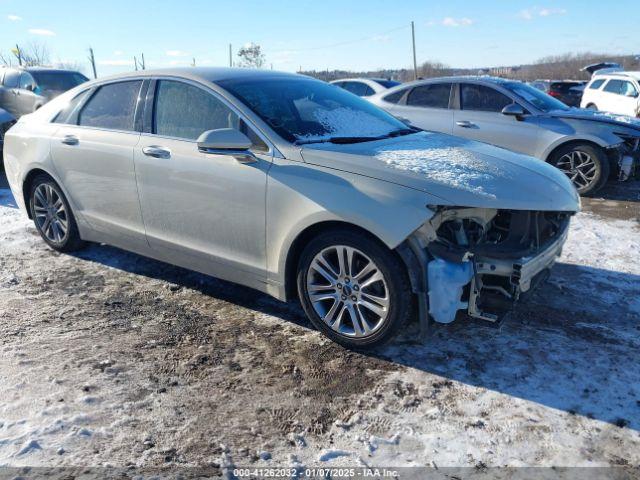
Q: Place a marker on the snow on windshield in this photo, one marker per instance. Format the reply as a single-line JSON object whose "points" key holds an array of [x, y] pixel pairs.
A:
{"points": [[346, 122], [443, 160]]}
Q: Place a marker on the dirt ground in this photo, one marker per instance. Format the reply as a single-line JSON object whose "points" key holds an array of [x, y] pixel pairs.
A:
{"points": [[111, 359]]}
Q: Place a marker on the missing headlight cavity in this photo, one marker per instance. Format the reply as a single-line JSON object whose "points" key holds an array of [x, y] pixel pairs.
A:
{"points": [[506, 252]]}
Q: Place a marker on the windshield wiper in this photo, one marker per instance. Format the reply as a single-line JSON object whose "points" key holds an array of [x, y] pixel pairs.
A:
{"points": [[358, 139]]}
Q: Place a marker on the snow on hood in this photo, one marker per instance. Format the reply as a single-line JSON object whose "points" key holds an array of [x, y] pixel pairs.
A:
{"points": [[444, 163], [460, 171], [592, 115]]}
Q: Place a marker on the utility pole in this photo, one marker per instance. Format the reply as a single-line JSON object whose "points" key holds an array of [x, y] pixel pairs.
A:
{"points": [[92, 60], [413, 41], [194, 62], [135, 62], [19, 55], [143, 64], [230, 56]]}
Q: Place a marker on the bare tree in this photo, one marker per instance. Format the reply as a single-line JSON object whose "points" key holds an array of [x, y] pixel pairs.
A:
{"points": [[251, 56], [33, 54]]}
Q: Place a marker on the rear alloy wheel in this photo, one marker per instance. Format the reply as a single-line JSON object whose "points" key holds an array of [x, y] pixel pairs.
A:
{"points": [[586, 166], [353, 289], [52, 215]]}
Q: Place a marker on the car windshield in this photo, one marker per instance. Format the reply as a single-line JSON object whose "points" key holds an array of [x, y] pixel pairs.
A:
{"points": [[535, 97], [59, 81], [303, 110]]}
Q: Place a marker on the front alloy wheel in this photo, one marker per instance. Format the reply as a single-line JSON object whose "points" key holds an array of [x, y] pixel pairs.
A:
{"points": [[348, 291], [353, 289]]}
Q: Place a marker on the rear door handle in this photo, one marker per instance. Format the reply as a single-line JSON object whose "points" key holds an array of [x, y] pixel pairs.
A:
{"points": [[70, 140], [465, 124], [156, 152]]}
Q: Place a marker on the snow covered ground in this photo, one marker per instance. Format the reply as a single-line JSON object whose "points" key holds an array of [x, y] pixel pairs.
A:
{"points": [[108, 358]]}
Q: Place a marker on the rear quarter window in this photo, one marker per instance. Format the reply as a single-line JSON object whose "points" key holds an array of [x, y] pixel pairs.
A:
{"points": [[395, 96], [595, 85]]}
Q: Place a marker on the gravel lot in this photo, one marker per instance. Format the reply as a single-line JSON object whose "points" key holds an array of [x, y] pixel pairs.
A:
{"points": [[109, 358]]}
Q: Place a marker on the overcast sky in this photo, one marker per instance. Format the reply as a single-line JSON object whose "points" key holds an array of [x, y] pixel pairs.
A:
{"points": [[333, 34]]}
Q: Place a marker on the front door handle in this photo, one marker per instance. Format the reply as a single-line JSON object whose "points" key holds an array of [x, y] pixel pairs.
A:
{"points": [[465, 124], [70, 140], [156, 152]]}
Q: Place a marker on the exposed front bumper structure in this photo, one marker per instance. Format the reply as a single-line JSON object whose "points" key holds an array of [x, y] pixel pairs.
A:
{"points": [[458, 262], [523, 275]]}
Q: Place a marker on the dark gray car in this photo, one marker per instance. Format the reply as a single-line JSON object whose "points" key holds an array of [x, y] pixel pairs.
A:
{"points": [[589, 147], [24, 90]]}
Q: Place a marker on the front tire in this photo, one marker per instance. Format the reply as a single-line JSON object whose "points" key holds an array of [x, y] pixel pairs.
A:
{"points": [[592, 106], [353, 289], [586, 165], [52, 215]]}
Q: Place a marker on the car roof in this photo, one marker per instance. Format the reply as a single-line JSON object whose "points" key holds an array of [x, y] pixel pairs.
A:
{"points": [[40, 69], [625, 74], [207, 74]]}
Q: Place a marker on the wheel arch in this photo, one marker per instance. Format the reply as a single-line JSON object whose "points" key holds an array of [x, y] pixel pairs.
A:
{"points": [[28, 181], [305, 236], [574, 141]]}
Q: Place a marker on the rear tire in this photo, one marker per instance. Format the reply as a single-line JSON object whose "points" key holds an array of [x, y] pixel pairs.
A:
{"points": [[586, 165], [52, 215], [370, 284], [592, 106]]}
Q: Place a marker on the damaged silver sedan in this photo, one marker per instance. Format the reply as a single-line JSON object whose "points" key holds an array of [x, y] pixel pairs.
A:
{"points": [[295, 188]]}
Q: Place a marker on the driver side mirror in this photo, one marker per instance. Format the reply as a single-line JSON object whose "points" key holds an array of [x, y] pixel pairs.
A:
{"points": [[227, 141], [631, 94], [514, 110], [31, 87]]}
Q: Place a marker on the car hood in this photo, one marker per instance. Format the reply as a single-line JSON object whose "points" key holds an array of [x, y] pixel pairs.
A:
{"points": [[454, 170], [595, 116]]}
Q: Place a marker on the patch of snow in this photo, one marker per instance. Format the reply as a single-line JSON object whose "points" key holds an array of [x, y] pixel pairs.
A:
{"points": [[346, 122], [328, 455], [444, 163]]}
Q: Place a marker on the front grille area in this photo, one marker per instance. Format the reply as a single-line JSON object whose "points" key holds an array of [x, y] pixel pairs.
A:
{"points": [[510, 234]]}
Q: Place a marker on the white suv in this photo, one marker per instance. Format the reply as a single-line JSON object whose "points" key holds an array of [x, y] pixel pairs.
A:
{"points": [[617, 92]]}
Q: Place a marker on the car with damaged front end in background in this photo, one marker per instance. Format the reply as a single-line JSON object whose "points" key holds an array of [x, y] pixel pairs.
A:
{"points": [[296, 188]]}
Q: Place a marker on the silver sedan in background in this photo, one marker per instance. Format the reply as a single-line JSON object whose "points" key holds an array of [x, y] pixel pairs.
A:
{"points": [[589, 147]]}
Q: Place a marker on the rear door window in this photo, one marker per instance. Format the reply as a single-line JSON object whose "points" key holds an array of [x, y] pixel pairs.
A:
{"points": [[357, 88], [113, 107], [613, 86], [482, 99], [432, 96]]}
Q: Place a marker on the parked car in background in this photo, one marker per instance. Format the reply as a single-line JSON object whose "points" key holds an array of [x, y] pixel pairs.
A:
{"points": [[24, 90], [6, 122], [617, 92], [568, 92], [602, 67], [365, 87], [587, 147], [295, 188]]}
